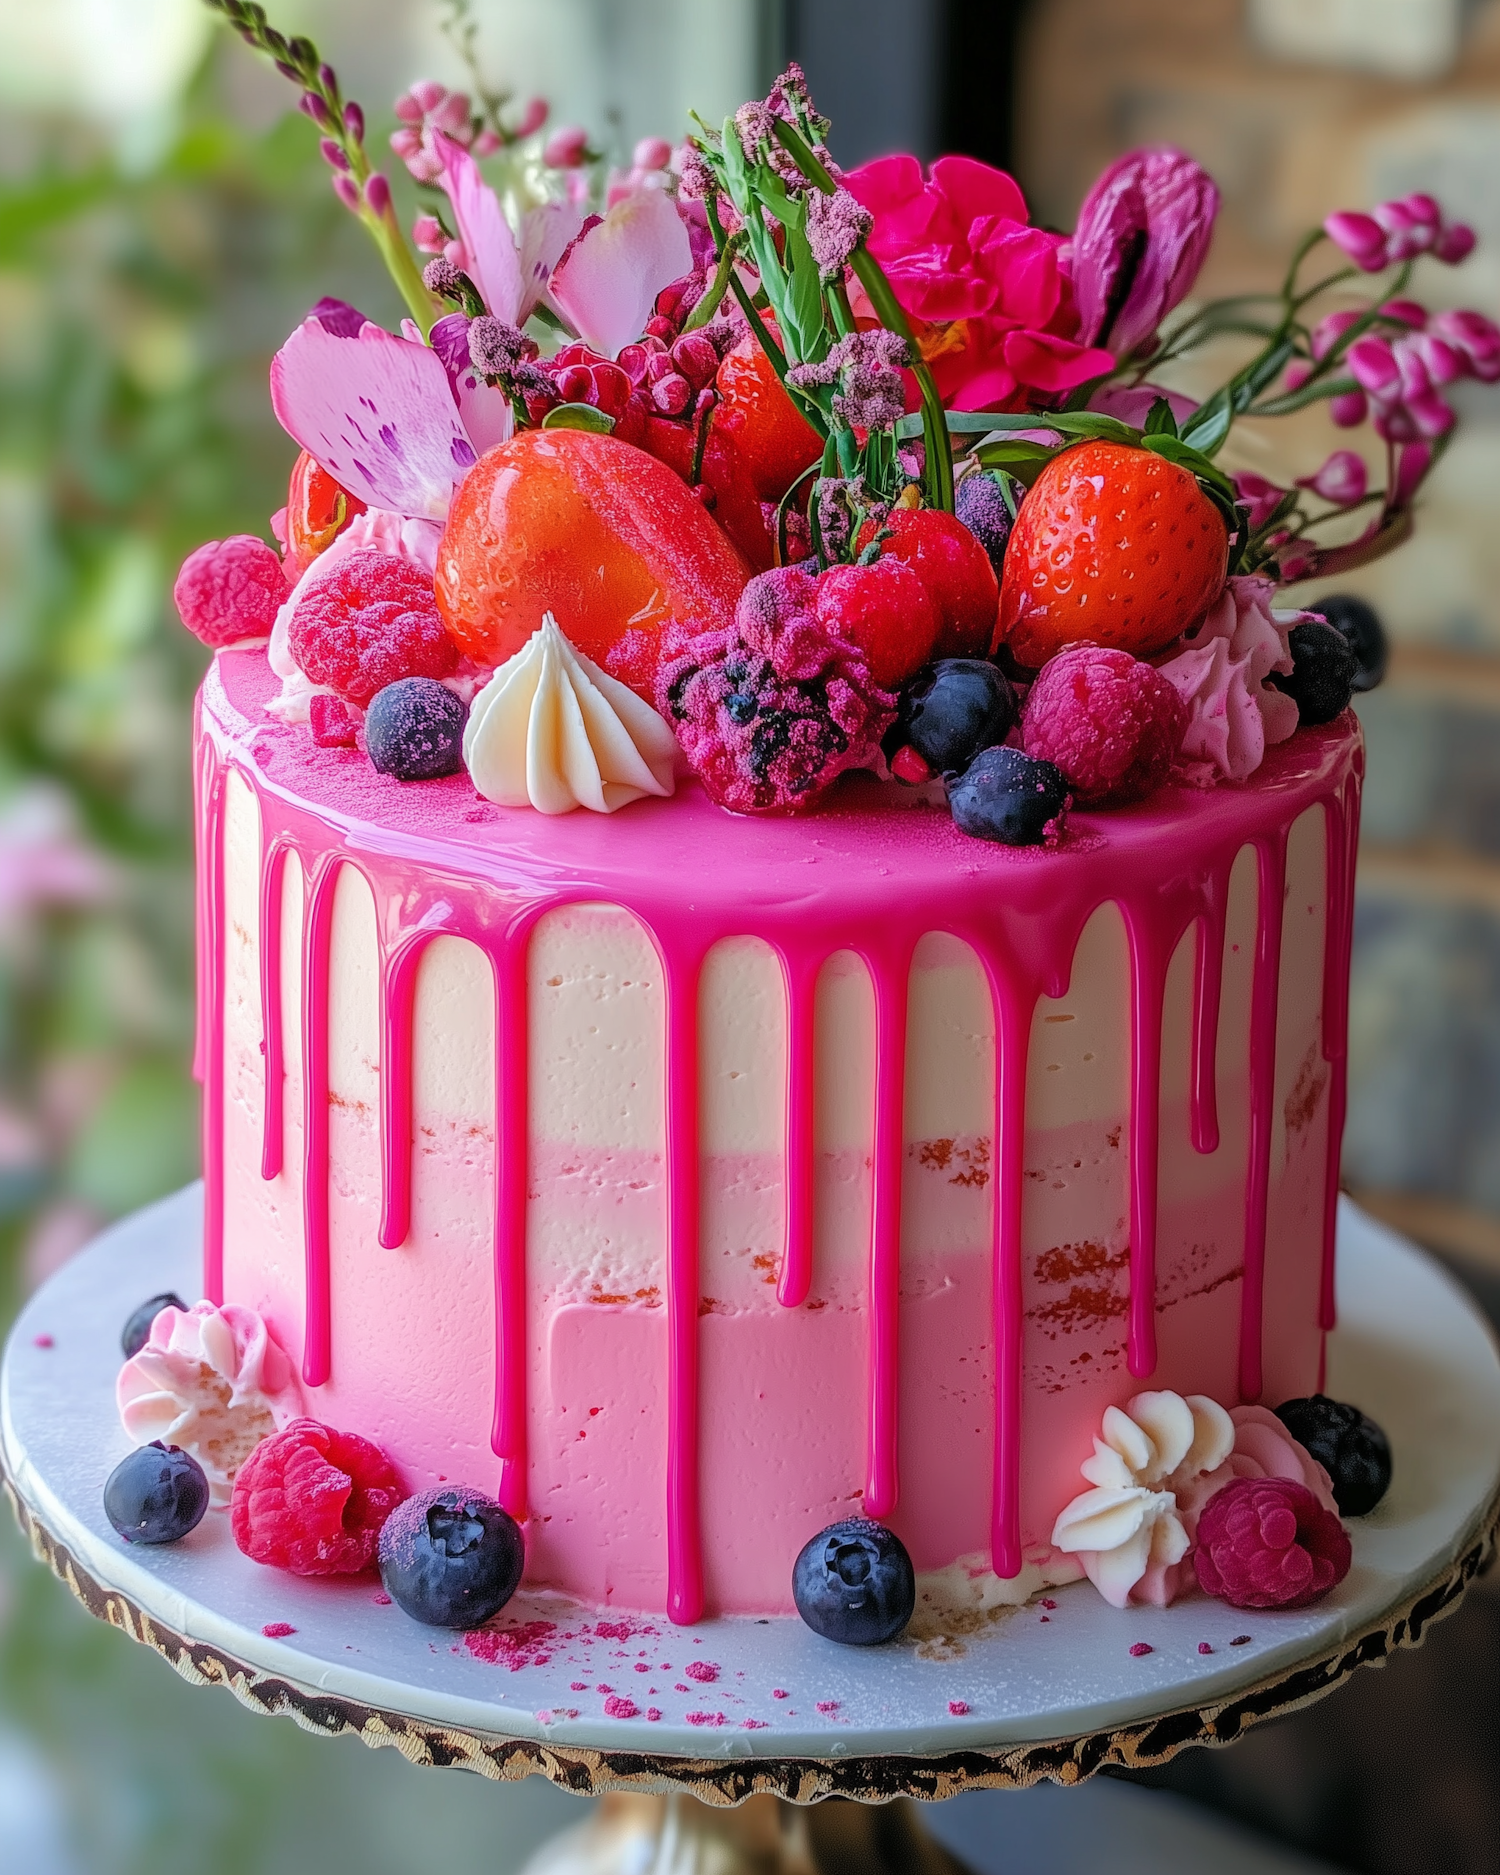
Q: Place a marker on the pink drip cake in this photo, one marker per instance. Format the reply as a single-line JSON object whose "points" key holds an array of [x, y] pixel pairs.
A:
{"points": [[698, 1182], [775, 897]]}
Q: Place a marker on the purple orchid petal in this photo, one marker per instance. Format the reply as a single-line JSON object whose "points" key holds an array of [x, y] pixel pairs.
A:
{"points": [[376, 412], [494, 263], [338, 317], [1143, 232], [607, 283]]}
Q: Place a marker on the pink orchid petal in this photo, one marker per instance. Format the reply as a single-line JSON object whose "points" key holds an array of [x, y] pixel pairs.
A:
{"points": [[607, 283], [545, 234], [485, 411], [376, 412], [494, 263]]}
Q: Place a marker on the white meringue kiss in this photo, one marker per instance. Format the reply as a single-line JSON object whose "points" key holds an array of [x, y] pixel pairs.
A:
{"points": [[213, 1381], [550, 730]]}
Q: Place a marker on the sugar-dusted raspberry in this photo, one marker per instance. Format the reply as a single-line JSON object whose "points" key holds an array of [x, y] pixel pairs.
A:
{"points": [[1269, 1543], [885, 609], [772, 709], [370, 620], [230, 589], [313, 1500], [333, 724], [1112, 724]]}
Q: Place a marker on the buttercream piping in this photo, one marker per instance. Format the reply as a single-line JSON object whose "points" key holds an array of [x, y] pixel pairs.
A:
{"points": [[1024, 949]]}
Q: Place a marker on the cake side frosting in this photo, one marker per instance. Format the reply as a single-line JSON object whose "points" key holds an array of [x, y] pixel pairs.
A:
{"points": [[921, 1268]]}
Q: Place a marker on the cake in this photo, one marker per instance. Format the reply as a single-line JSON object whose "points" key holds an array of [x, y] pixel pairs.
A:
{"points": [[775, 897]]}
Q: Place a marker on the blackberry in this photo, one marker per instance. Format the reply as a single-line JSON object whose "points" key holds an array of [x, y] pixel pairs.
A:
{"points": [[1349, 1446], [1323, 671], [1360, 624]]}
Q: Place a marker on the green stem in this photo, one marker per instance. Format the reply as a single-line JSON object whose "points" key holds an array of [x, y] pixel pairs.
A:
{"points": [[768, 345], [888, 309], [718, 287]]}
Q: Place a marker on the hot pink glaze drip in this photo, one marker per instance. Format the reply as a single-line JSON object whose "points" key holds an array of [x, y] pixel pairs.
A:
{"points": [[439, 861], [272, 874]]}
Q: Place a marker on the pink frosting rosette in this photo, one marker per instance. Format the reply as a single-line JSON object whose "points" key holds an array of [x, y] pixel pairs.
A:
{"points": [[1263, 1448], [1234, 716], [213, 1381]]}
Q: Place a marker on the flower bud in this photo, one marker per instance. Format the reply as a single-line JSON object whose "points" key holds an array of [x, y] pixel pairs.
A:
{"points": [[333, 153], [566, 148], [347, 190], [328, 78], [652, 153], [1348, 409], [316, 109], [672, 394], [427, 234], [1342, 479], [378, 194], [354, 122], [1142, 234], [1454, 244], [486, 143], [1360, 236], [532, 118]]}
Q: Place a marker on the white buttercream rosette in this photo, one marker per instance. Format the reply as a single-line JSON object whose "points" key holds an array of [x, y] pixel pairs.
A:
{"points": [[1156, 1463], [213, 1381]]}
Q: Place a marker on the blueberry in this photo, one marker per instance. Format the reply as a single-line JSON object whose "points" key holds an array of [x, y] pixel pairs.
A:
{"points": [[156, 1495], [1005, 795], [854, 1583], [1350, 1447], [137, 1330], [451, 1558], [1360, 624], [952, 710], [414, 730], [1323, 671], [981, 507]]}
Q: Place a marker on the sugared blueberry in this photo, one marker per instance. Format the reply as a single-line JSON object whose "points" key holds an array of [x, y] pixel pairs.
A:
{"points": [[952, 710], [854, 1583], [1360, 624], [156, 1495], [451, 1558], [414, 730], [981, 506], [137, 1330], [1349, 1446], [1323, 671], [1007, 796]]}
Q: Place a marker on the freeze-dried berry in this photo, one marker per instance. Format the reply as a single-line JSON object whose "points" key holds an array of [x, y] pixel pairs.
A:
{"points": [[230, 589], [1269, 1543], [368, 621], [333, 724], [313, 1500], [1112, 724]]}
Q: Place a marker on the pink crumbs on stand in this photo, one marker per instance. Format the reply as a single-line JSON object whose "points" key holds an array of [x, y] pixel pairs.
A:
{"points": [[277, 1630], [1141, 1647]]}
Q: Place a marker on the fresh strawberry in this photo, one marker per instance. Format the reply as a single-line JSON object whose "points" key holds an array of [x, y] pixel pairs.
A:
{"points": [[885, 610], [953, 567], [1113, 546], [775, 442]]}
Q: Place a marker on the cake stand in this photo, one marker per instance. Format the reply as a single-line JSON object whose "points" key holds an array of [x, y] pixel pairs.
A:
{"points": [[739, 1713]]}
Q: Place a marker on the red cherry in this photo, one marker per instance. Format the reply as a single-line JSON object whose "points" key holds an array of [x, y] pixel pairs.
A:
{"points": [[885, 610], [953, 567]]}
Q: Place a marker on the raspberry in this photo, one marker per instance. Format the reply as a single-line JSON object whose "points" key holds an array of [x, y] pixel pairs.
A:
{"points": [[772, 709], [230, 589], [368, 621], [313, 1500], [334, 725], [1111, 723], [884, 609], [1269, 1543]]}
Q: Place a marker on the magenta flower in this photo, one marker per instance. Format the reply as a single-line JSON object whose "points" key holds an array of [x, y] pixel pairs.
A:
{"points": [[1342, 479], [567, 148], [1397, 231], [1142, 235], [1474, 337], [960, 254], [1261, 497]]}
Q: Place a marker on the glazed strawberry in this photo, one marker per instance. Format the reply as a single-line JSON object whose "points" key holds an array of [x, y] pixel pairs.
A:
{"points": [[728, 492], [586, 527], [313, 1500], [776, 443], [317, 512], [1113, 546], [953, 567], [884, 609]]}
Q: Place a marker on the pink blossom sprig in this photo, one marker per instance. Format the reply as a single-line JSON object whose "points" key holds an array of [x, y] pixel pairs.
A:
{"points": [[1398, 231], [363, 189], [428, 107]]}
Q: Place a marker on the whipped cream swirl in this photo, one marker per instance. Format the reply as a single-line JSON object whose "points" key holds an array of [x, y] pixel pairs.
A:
{"points": [[550, 730]]}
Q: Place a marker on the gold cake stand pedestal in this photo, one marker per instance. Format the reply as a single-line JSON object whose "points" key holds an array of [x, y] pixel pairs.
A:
{"points": [[794, 1795]]}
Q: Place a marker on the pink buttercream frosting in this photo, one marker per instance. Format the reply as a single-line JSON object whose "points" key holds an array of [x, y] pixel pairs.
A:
{"points": [[1234, 716], [213, 1381]]}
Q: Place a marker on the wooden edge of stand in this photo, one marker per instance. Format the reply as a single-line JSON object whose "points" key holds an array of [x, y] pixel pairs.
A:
{"points": [[726, 1782]]}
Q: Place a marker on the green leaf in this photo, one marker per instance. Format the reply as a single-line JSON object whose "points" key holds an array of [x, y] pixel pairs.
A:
{"points": [[578, 417], [1020, 459], [1159, 419], [736, 170], [1209, 424], [1174, 449]]}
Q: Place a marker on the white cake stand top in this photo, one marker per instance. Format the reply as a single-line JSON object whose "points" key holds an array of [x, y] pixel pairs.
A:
{"points": [[745, 1705]]}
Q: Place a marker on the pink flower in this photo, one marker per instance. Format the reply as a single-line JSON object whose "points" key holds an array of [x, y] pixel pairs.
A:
{"points": [[1260, 496], [606, 283], [1131, 403], [1342, 479], [567, 148], [428, 108], [1397, 231], [1142, 234], [960, 254], [1476, 338]]}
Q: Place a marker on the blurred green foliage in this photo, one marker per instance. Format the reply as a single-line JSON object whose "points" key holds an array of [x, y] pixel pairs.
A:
{"points": [[138, 312]]}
